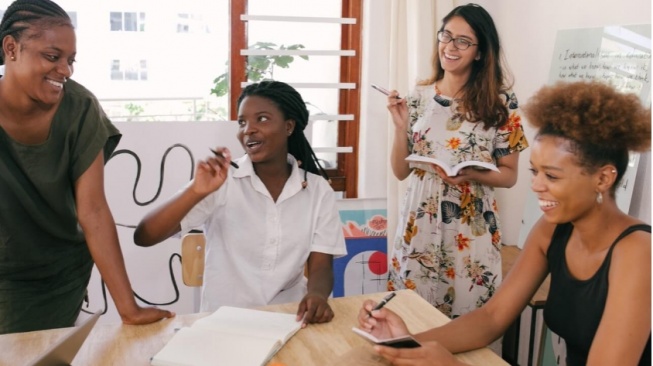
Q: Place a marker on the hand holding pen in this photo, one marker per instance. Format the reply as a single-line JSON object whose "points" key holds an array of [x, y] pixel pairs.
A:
{"points": [[216, 153], [384, 91], [382, 324], [382, 303]]}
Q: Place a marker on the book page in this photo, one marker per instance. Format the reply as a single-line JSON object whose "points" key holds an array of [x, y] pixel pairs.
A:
{"points": [[414, 158], [451, 171], [227, 319], [474, 163], [199, 347]]}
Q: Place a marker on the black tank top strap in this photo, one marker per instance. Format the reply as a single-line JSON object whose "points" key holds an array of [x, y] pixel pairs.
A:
{"points": [[559, 240], [628, 231]]}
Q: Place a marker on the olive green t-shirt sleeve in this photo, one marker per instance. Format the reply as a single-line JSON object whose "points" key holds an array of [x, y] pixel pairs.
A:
{"points": [[95, 132]]}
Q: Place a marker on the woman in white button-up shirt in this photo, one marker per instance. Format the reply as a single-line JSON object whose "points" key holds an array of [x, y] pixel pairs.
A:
{"points": [[265, 220]]}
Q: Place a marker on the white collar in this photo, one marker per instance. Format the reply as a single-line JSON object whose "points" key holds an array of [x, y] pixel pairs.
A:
{"points": [[292, 186]]}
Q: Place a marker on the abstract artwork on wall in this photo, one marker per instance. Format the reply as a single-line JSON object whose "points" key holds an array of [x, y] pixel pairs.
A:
{"points": [[365, 267]]}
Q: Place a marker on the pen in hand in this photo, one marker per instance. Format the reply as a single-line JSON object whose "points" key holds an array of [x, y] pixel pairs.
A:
{"points": [[222, 156], [382, 303], [384, 91]]}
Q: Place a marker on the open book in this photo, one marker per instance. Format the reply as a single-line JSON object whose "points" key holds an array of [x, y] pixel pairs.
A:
{"points": [[229, 336], [406, 341], [451, 170]]}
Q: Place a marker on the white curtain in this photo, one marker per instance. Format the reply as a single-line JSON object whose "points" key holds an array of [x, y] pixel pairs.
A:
{"points": [[413, 27]]}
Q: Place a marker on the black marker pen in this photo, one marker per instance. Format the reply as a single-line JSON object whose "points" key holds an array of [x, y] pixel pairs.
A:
{"points": [[383, 302], [222, 156]]}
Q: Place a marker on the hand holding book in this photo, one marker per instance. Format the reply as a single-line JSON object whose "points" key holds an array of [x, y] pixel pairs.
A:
{"points": [[451, 171]]}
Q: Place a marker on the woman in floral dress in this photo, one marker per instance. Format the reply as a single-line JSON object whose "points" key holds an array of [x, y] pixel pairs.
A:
{"points": [[447, 246]]}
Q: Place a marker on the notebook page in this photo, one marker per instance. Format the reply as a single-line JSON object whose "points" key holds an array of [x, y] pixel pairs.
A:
{"points": [[251, 322], [200, 347]]}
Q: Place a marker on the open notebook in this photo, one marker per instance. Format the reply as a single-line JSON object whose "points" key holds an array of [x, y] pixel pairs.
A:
{"points": [[229, 336], [66, 348]]}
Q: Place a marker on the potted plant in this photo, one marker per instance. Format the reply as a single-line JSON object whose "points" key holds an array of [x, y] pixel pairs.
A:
{"points": [[259, 67]]}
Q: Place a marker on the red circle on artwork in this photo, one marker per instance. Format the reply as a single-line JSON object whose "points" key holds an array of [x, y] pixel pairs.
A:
{"points": [[378, 263]]}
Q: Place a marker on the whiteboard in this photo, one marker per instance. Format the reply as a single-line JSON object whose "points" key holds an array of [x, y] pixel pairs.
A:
{"points": [[617, 55]]}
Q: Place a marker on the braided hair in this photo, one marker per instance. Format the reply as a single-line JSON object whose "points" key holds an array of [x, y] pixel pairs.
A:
{"points": [[293, 107], [22, 14]]}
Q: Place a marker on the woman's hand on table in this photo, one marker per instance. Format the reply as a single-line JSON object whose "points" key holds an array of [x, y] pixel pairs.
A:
{"points": [[145, 315], [314, 308]]}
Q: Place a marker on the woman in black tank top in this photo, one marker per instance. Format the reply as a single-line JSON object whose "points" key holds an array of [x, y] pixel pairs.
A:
{"points": [[599, 257]]}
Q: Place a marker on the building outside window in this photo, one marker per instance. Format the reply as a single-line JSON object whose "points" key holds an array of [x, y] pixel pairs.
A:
{"points": [[127, 21]]}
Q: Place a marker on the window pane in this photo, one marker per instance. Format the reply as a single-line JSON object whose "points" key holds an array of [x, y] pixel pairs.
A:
{"points": [[130, 22], [116, 21], [140, 75], [141, 22], [116, 74], [295, 69], [131, 74]]}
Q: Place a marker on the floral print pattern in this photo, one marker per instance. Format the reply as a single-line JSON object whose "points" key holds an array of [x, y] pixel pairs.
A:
{"points": [[447, 246]]}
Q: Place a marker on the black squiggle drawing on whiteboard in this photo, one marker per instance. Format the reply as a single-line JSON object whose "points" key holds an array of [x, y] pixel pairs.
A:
{"points": [[161, 174]]}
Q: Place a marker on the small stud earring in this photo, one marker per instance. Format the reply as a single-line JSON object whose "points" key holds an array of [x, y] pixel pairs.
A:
{"points": [[613, 171], [13, 58]]}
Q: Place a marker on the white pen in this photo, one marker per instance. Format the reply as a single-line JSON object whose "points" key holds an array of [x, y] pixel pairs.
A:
{"points": [[384, 90]]}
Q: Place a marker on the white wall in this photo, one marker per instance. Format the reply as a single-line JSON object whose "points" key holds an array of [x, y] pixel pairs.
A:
{"points": [[527, 30]]}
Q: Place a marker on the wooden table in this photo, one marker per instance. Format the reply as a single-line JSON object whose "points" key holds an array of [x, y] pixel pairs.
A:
{"points": [[509, 254], [318, 344]]}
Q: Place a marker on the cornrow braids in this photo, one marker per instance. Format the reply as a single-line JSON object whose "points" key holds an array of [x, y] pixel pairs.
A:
{"points": [[293, 107], [22, 14]]}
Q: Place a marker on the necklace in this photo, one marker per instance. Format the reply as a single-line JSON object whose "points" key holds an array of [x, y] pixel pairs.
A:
{"points": [[439, 93], [437, 90]]}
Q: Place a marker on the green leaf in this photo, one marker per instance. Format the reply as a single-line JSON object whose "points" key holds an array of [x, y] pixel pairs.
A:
{"points": [[263, 45], [254, 75], [261, 63], [221, 78], [283, 61], [221, 85]]}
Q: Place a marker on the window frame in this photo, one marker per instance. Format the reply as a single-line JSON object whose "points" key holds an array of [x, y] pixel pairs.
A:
{"points": [[344, 178]]}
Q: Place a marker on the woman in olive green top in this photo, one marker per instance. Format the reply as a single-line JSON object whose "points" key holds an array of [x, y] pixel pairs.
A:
{"points": [[54, 218]]}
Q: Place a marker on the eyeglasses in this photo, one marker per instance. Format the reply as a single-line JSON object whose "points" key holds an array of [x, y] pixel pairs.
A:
{"points": [[459, 43]]}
